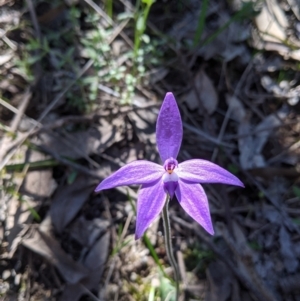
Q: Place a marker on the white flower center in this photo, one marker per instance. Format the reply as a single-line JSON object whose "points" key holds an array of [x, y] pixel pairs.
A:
{"points": [[170, 177]]}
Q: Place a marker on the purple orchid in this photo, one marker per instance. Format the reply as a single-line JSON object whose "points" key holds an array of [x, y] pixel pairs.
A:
{"points": [[170, 178]]}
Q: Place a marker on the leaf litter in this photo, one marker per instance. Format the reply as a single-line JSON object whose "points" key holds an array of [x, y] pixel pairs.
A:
{"points": [[52, 210]]}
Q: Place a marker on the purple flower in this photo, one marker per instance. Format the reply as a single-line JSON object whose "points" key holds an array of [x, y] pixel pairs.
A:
{"points": [[170, 178]]}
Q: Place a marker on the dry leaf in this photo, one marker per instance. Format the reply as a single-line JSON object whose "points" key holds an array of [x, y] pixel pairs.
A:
{"points": [[47, 246], [219, 280], [86, 232], [96, 257], [273, 26], [38, 183], [144, 121], [265, 128], [94, 261], [238, 111], [206, 92], [68, 201], [283, 50], [251, 146], [158, 74], [4, 58], [72, 292], [94, 140], [295, 6], [272, 22]]}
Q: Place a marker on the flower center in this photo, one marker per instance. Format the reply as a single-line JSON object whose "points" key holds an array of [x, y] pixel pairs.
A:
{"points": [[170, 178], [170, 164]]}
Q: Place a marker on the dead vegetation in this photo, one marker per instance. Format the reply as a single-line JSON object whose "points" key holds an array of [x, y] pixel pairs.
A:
{"points": [[79, 98]]}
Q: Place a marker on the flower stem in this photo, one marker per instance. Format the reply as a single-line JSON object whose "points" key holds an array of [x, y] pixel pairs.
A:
{"points": [[168, 242]]}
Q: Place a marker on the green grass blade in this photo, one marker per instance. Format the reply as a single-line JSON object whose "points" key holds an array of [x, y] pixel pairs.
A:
{"points": [[140, 22], [109, 8], [201, 23], [31, 165], [33, 212], [154, 254]]}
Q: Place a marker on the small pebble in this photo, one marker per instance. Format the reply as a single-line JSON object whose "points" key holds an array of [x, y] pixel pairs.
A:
{"points": [[133, 276], [17, 280], [6, 274], [293, 100]]}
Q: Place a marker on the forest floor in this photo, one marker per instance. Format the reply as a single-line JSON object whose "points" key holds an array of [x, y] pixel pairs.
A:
{"points": [[81, 84]]}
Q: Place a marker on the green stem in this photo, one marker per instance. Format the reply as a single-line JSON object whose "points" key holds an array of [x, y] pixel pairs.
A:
{"points": [[168, 242]]}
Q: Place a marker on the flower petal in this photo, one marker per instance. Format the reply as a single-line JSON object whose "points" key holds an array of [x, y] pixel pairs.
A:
{"points": [[202, 171], [168, 128], [151, 199], [193, 200], [136, 172]]}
